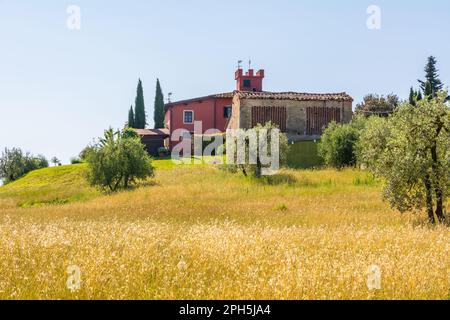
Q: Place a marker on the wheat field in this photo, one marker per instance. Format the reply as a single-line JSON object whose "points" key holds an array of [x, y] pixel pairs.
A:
{"points": [[196, 232]]}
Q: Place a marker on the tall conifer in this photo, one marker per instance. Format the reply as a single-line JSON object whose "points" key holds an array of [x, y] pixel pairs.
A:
{"points": [[140, 118], [131, 118], [159, 107]]}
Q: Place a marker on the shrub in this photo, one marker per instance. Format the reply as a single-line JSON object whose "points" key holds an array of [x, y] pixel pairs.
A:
{"points": [[338, 144], [163, 151], [14, 164], [76, 160], [118, 161]]}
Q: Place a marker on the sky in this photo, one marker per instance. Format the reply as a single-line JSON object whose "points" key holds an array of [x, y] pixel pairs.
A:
{"points": [[61, 87]]}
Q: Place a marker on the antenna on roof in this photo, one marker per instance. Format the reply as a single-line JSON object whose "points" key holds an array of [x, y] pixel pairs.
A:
{"points": [[239, 64], [249, 64], [169, 96]]}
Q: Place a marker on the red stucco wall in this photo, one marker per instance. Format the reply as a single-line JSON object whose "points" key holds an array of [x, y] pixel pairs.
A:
{"points": [[209, 111]]}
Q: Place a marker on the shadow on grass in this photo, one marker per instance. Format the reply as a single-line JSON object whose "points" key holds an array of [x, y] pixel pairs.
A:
{"points": [[279, 179]]}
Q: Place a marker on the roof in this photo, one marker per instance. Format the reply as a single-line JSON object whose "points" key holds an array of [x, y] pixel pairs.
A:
{"points": [[153, 132], [297, 96], [226, 95]]}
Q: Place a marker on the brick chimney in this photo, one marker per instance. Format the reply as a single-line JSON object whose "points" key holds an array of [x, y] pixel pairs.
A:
{"points": [[249, 81]]}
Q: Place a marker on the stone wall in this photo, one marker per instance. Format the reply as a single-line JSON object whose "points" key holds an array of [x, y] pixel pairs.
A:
{"points": [[234, 122], [296, 111]]}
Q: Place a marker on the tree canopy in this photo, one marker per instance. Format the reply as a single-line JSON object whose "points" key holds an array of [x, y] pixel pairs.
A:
{"points": [[379, 105], [257, 144], [131, 118], [118, 161], [159, 107], [432, 78], [411, 151], [140, 117], [14, 164]]}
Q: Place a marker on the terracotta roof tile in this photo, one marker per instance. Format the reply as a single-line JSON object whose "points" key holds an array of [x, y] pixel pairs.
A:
{"points": [[298, 96]]}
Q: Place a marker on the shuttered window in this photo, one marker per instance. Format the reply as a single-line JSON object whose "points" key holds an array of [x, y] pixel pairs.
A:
{"points": [[318, 118], [262, 115]]}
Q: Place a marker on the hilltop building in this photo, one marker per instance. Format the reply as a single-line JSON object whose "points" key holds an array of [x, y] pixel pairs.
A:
{"points": [[302, 116]]}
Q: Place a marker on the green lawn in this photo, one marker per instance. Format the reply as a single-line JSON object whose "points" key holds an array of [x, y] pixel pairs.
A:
{"points": [[303, 155]]}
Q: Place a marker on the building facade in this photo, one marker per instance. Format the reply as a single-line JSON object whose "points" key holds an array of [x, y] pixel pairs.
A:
{"points": [[302, 116]]}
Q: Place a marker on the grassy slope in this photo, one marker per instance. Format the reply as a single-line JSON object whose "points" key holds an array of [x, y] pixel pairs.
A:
{"points": [[59, 185], [53, 186], [202, 233]]}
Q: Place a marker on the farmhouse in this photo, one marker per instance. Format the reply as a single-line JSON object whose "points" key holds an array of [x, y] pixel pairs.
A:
{"points": [[302, 116]]}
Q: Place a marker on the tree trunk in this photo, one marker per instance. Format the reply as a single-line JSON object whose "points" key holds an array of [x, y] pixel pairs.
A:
{"points": [[429, 196], [244, 171], [440, 205], [437, 189], [258, 168]]}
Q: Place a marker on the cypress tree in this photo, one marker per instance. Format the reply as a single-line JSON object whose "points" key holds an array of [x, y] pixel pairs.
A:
{"points": [[412, 97], [431, 76], [419, 95], [131, 118], [159, 107], [140, 118]]}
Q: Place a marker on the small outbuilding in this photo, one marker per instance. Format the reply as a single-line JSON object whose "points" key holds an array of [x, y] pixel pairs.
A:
{"points": [[153, 139]]}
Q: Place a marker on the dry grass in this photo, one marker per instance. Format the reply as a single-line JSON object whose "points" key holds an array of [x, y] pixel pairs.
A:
{"points": [[203, 234]]}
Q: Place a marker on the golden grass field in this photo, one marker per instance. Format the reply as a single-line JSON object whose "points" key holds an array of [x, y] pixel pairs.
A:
{"points": [[199, 233]]}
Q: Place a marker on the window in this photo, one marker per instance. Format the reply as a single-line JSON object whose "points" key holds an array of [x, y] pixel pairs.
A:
{"points": [[188, 116], [247, 83], [227, 112]]}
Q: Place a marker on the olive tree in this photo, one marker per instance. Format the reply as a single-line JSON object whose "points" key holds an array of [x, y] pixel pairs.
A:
{"points": [[256, 143], [411, 151], [14, 164], [118, 161]]}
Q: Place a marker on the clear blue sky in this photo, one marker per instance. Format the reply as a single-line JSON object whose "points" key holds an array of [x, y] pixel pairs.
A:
{"points": [[59, 88]]}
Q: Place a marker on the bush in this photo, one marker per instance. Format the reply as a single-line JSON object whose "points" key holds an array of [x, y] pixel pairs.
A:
{"points": [[338, 144], [76, 160], [163, 151], [14, 164], [118, 161]]}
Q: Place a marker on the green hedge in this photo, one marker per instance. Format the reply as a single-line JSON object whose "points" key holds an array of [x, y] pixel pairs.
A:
{"points": [[304, 155]]}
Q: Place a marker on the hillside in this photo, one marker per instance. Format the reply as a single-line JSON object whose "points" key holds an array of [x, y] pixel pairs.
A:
{"points": [[199, 233], [57, 185]]}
